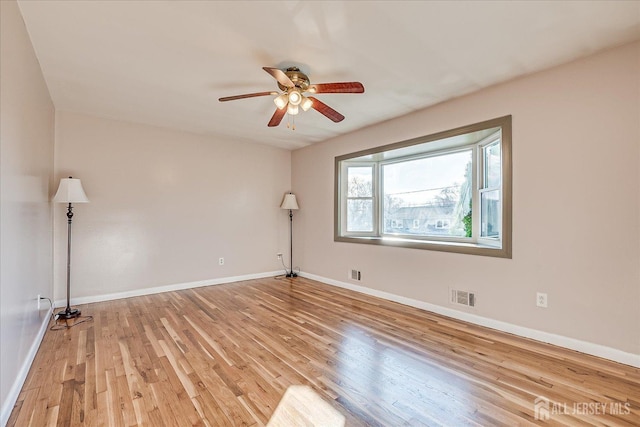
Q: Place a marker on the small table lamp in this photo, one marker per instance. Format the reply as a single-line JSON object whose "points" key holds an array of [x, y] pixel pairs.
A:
{"points": [[289, 202], [69, 191]]}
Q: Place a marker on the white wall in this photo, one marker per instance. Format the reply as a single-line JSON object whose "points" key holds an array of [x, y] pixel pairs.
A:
{"points": [[164, 206], [576, 205], [26, 168]]}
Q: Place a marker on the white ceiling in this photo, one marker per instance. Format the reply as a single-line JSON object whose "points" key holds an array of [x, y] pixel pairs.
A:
{"points": [[166, 63]]}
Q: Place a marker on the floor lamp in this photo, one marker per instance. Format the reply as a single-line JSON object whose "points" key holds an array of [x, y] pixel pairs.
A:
{"points": [[290, 203], [69, 191]]}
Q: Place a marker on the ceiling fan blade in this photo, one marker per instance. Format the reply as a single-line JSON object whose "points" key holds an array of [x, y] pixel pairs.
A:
{"points": [[327, 111], [277, 117], [280, 76], [247, 95], [344, 87]]}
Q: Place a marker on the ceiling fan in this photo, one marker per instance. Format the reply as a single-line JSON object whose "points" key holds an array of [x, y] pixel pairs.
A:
{"points": [[294, 83]]}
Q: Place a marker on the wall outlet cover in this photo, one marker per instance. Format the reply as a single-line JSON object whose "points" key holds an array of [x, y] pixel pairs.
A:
{"points": [[541, 299]]}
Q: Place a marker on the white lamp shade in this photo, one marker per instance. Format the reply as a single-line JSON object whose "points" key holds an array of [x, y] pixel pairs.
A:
{"points": [[306, 103], [289, 202], [281, 101], [70, 191], [292, 110]]}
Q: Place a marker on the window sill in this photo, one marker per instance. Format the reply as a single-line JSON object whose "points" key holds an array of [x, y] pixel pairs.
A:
{"points": [[431, 245]]}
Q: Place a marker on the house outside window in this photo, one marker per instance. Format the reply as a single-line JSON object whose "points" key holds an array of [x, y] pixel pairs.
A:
{"points": [[450, 191]]}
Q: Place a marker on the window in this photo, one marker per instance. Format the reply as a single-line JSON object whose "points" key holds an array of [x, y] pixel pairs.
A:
{"points": [[450, 191], [360, 199]]}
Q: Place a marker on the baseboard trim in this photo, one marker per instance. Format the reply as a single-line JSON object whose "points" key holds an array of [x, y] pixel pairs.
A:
{"points": [[546, 337], [14, 391], [166, 288]]}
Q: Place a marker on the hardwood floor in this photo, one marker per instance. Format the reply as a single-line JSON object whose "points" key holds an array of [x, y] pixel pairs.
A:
{"points": [[224, 355]]}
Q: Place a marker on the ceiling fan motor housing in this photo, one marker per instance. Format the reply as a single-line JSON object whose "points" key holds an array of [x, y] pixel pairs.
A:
{"points": [[297, 77]]}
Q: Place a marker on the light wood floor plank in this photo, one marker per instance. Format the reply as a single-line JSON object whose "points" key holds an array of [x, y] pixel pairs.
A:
{"points": [[224, 355]]}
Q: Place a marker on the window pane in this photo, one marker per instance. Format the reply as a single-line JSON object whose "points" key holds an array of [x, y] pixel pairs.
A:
{"points": [[360, 215], [359, 181], [492, 166], [428, 196], [490, 215]]}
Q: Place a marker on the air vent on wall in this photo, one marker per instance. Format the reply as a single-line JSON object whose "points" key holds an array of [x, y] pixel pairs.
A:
{"points": [[463, 298], [355, 275]]}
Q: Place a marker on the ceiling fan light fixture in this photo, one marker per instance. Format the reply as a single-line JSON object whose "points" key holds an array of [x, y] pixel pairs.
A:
{"points": [[295, 97], [281, 101], [306, 103], [292, 109], [293, 84]]}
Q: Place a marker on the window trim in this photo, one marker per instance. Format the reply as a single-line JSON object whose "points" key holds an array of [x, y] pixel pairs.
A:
{"points": [[484, 246]]}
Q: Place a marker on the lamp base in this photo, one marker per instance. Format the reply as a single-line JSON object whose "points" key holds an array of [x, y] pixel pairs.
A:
{"points": [[68, 314], [291, 274]]}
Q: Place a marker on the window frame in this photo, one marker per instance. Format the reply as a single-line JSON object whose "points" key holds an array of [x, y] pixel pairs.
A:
{"points": [[343, 207], [484, 246], [483, 188], [431, 154]]}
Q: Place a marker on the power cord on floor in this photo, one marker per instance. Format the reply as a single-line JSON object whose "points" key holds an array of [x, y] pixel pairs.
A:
{"points": [[58, 327], [286, 271]]}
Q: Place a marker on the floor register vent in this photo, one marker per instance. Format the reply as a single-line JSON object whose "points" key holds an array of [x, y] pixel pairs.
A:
{"points": [[463, 298]]}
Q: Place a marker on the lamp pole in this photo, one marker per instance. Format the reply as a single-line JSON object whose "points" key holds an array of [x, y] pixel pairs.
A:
{"points": [[68, 313], [291, 273]]}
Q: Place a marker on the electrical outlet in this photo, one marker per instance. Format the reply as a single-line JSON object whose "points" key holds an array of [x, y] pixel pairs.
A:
{"points": [[279, 255], [38, 302], [541, 299], [220, 261]]}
